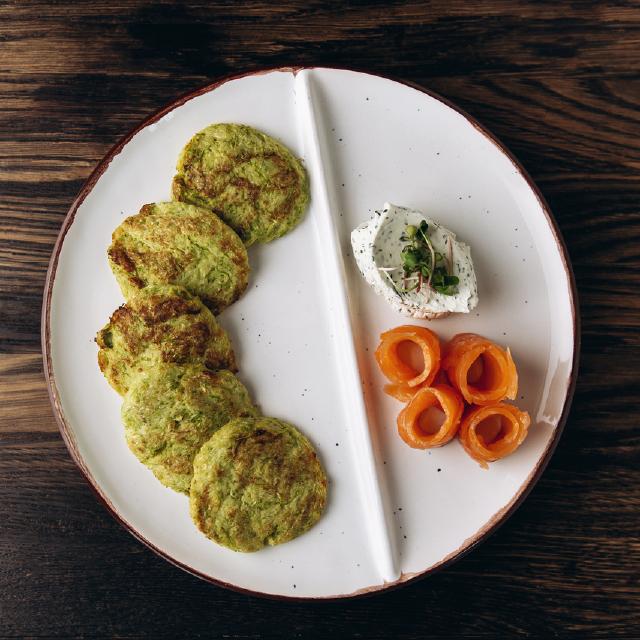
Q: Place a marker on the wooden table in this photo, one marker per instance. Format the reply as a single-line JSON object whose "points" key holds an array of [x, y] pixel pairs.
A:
{"points": [[560, 86]]}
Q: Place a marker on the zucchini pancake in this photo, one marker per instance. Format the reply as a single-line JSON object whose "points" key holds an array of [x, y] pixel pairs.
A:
{"points": [[252, 481], [178, 243], [170, 411], [252, 181], [161, 324], [257, 482]]}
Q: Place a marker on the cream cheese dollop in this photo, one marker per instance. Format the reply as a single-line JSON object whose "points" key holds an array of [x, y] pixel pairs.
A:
{"points": [[377, 249]]}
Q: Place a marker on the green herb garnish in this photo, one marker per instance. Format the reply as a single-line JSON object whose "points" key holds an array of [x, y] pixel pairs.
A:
{"points": [[421, 264]]}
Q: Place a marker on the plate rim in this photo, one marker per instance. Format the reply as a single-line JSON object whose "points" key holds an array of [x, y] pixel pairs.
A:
{"points": [[492, 525]]}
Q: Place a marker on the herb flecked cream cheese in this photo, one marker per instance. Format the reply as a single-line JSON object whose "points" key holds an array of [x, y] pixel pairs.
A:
{"points": [[415, 263]]}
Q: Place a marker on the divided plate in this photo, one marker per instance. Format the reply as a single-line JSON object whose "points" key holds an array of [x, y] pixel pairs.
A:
{"points": [[306, 329]]}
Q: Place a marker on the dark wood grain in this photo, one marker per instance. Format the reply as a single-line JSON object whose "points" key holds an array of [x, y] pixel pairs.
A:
{"points": [[559, 83]]}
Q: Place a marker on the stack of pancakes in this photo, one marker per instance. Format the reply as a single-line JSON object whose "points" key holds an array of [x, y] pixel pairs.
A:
{"points": [[252, 480]]}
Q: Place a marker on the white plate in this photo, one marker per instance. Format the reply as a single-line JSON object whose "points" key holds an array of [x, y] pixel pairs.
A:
{"points": [[307, 327]]}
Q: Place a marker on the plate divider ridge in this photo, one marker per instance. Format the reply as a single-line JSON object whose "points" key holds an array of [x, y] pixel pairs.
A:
{"points": [[378, 529]]}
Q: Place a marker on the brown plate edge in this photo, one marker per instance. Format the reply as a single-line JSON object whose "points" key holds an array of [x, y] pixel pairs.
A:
{"points": [[497, 519]]}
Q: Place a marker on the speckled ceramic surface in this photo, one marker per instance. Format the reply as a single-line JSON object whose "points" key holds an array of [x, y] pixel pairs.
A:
{"points": [[307, 327]]}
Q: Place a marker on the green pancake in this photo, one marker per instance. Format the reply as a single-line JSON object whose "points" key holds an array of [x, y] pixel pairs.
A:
{"points": [[171, 411], [177, 243], [252, 181], [256, 482], [161, 324]]}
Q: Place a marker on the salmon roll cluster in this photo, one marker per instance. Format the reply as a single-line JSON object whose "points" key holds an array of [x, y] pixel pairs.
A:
{"points": [[458, 389]]}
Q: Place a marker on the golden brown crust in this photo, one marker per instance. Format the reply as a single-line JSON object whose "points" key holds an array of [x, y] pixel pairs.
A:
{"points": [[249, 179], [257, 482], [177, 243], [161, 324]]}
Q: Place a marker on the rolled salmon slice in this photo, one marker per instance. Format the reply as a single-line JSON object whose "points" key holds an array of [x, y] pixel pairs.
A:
{"points": [[419, 424], [483, 372], [493, 432], [409, 356]]}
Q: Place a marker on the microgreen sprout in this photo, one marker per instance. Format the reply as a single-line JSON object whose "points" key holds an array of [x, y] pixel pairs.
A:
{"points": [[423, 265]]}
